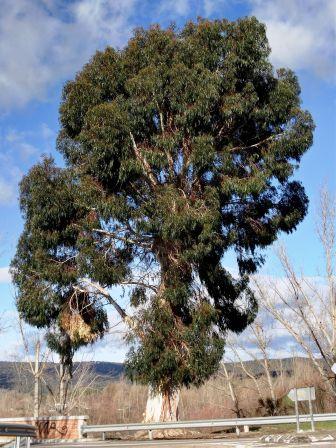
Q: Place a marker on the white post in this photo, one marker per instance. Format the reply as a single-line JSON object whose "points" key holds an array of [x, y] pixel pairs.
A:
{"points": [[297, 412], [311, 411]]}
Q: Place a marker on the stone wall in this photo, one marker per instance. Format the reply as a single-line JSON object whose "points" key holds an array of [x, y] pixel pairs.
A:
{"points": [[53, 427]]}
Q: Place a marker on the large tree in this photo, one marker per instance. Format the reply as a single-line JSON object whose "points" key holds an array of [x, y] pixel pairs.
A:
{"points": [[180, 148]]}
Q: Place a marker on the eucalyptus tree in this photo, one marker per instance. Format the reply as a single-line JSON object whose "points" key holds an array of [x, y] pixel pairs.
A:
{"points": [[181, 147]]}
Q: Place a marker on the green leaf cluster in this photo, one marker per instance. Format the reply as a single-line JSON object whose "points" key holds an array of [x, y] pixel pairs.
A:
{"points": [[45, 269]]}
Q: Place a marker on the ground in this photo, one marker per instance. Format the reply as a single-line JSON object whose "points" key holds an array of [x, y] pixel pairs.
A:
{"points": [[325, 431], [242, 443]]}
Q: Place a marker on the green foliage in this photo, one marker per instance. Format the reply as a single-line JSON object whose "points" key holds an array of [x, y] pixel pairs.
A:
{"points": [[179, 147], [44, 268]]}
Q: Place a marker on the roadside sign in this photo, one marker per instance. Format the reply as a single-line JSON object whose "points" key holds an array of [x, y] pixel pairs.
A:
{"points": [[333, 368], [303, 394]]}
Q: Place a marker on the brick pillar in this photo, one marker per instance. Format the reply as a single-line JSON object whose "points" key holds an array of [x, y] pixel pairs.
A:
{"points": [[54, 427]]}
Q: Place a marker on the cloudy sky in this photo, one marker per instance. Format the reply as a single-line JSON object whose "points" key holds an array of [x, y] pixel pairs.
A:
{"points": [[44, 42]]}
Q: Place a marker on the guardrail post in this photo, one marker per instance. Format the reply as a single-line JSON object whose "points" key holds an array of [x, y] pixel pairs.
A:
{"points": [[28, 442], [237, 424]]}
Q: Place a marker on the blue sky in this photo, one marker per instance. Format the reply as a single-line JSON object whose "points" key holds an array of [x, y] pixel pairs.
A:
{"points": [[44, 42]]}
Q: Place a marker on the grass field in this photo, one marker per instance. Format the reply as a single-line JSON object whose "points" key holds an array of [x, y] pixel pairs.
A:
{"points": [[289, 427]]}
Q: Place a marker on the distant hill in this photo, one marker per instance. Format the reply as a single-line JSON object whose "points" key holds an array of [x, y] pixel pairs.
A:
{"points": [[285, 366], [17, 375]]}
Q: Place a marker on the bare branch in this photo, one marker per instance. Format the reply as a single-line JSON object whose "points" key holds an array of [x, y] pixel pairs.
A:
{"points": [[105, 294]]}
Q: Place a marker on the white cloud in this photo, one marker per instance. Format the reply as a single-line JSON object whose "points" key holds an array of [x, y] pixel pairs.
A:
{"points": [[47, 41], [44, 42], [5, 275], [19, 146], [47, 133], [18, 151], [301, 33], [7, 192], [211, 6], [208, 6], [180, 8]]}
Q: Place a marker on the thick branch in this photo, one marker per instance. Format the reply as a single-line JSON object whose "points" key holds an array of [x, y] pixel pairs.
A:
{"points": [[255, 145], [139, 283], [144, 163], [122, 238], [110, 299]]}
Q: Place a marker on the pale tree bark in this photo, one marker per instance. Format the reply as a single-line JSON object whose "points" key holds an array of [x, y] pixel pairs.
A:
{"points": [[229, 390], [62, 388], [227, 386], [258, 341], [36, 373], [232, 391], [64, 382], [263, 344], [36, 366], [71, 390], [161, 407], [233, 345], [82, 382]]}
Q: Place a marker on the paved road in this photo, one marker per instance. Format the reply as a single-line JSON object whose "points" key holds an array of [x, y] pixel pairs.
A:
{"points": [[224, 443]]}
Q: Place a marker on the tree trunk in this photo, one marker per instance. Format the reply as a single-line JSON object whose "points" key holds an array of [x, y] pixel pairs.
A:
{"points": [[233, 395], [162, 407], [37, 381], [63, 387]]}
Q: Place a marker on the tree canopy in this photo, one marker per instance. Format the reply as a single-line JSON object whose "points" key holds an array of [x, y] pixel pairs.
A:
{"points": [[179, 148], [44, 267]]}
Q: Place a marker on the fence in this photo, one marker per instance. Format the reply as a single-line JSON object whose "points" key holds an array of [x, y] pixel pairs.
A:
{"points": [[21, 432], [225, 423]]}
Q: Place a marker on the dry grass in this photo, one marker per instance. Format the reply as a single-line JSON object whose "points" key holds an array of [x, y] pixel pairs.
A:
{"points": [[121, 401], [118, 402], [15, 404]]}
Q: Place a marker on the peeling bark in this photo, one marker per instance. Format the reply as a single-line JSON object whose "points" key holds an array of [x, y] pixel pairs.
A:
{"points": [[162, 407]]}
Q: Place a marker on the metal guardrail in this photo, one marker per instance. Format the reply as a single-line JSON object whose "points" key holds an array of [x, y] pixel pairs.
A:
{"points": [[223, 423], [21, 432]]}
